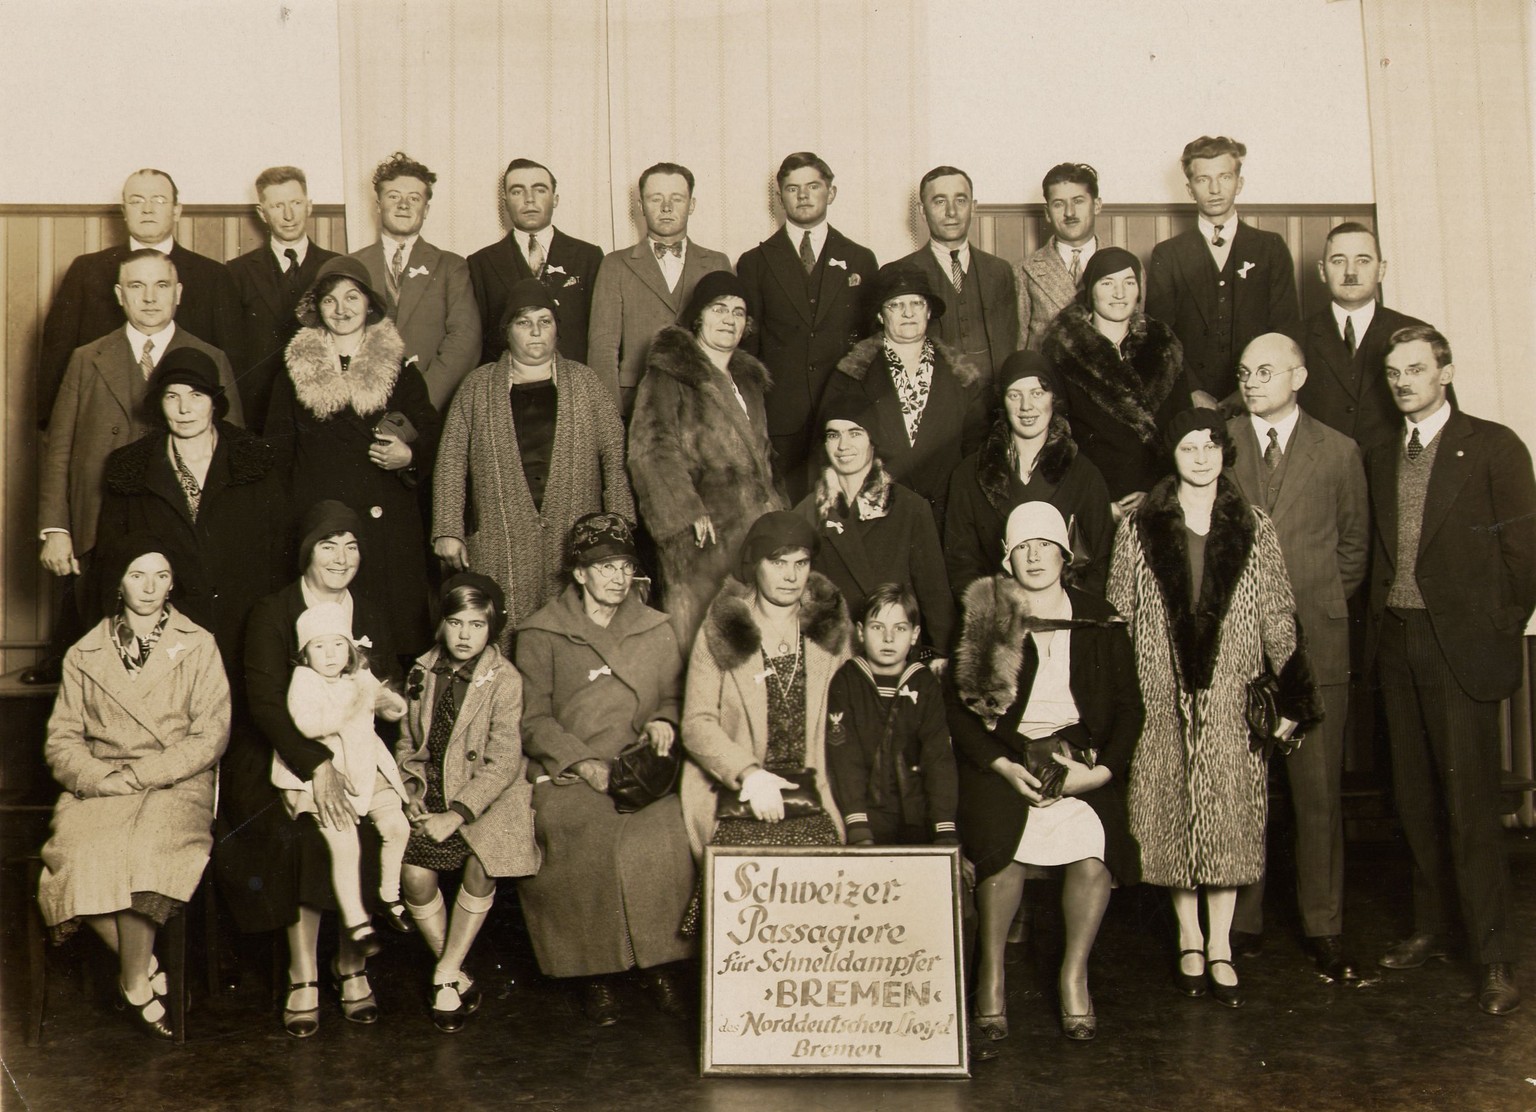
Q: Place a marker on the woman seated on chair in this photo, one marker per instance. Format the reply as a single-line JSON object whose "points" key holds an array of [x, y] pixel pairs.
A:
{"points": [[141, 719]]}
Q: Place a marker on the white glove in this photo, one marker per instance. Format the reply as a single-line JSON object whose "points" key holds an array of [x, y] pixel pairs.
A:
{"points": [[763, 792]]}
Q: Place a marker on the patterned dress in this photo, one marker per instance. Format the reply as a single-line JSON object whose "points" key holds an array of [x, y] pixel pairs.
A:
{"points": [[453, 851]]}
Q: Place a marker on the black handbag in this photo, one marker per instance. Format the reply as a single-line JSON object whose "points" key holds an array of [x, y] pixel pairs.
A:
{"points": [[801, 801], [1039, 754], [1263, 714], [639, 776]]}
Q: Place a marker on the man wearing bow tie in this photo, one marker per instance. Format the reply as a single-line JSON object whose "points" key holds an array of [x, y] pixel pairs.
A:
{"points": [[428, 289], [535, 248], [1453, 583], [805, 286], [270, 280], [1223, 282], [641, 289]]}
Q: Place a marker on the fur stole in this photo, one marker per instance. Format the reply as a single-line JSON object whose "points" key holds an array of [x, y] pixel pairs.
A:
{"points": [[871, 350], [990, 652], [1130, 387], [1228, 546], [995, 470], [873, 500], [250, 458], [732, 635], [675, 353], [319, 384]]}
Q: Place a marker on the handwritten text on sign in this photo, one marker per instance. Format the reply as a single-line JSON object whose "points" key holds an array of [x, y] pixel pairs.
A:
{"points": [[833, 960]]}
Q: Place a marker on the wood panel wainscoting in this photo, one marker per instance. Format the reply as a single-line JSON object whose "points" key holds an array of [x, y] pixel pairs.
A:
{"points": [[37, 244]]}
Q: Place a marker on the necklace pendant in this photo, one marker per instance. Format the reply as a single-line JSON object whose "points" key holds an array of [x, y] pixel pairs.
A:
{"points": [[783, 647]]}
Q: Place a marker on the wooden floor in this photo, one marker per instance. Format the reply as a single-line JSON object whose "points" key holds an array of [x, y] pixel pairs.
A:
{"points": [[1412, 1040]]}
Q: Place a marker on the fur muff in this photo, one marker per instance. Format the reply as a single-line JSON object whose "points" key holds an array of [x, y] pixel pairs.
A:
{"points": [[861, 357], [733, 636], [250, 459], [322, 388], [995, 469], [1131, 383], [872, 501], [1160, 523]]}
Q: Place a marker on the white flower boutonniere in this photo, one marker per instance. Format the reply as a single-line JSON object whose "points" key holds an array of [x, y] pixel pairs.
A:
{"points": [[763, 675], [416, 271], [553, 269], [593, 673], [907, 693], [835, 525], [364, 642], [1242, 271], [481, 681], [854, 280], [838, 262], [175, 650]]}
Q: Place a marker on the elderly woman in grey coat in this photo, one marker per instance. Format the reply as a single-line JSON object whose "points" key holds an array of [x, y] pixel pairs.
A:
{"points": [[531, 443], [141, 719], [602, 671]]}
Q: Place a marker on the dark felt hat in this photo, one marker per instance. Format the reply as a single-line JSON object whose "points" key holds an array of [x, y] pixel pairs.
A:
{"points": [[1107, 261], [599, 536], [486, 586], [778, 529], [712, 287], [324, 519], [1029, 364], [1186, 421], [115, 552], [526, 293], [901, 279], [186, 366], [332, 271]]}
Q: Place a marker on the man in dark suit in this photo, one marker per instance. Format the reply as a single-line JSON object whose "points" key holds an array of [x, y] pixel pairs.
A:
{"points": [[1049, 278], [534, 248], [1310, 480], [981, 297], [270, 280], [641, 289], [1223, 282], [85, 307], [426, 288], [1345, 343], [804, 293], [1453, 583]]}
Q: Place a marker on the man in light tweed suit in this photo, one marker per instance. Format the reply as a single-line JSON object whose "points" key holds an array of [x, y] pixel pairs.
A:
{"points": [[1048, 279]]}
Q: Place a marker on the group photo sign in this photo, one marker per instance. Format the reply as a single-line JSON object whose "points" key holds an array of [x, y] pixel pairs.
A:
{"points": [[833, 961]]}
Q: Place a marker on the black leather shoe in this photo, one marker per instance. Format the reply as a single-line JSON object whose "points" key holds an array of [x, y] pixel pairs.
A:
{"points": [[1328, 952], [448, 1010], [668, 989], [1190, 984], [1413, 952], [599, 1002], [1228, 996], [151, 1018], [398, 919], [43, 672], [1246, 944], [1499, 994]]}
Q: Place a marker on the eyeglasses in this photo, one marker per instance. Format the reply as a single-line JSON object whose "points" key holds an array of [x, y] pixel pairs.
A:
{"points": [[615, 569], [138, 201], [1260, 375]]}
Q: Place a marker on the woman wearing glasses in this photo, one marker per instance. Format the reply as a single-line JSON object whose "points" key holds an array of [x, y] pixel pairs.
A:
{"points": [[602, 670], [698, 447]]}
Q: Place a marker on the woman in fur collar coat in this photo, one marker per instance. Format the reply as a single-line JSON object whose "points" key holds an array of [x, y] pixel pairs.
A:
{"points": [[1198, 574], [755, 703], [699, 452], [922, 402], [1039, 659], [874, 530], [326, 422], [1124, 375], [1029, 456]]}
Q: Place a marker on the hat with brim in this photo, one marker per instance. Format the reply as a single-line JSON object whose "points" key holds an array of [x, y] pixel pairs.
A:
{"points": [[900, 280], [326, 619], [1035, 521], [186, 366], [332, 271], [711, 288], [774, 532]]}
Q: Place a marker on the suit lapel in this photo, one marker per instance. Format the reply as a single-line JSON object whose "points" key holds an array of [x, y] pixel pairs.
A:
{"points": [[694, 268], [1049, 272], [1383, 487], [269, 281], [751, 680], [642, 262], [115, 363], [1300, 464], [785, 266], [834, 279], [1195, 265], [848, 543], [1249, 469], [1452, 469], [509, 263], [1336, 360], [140, 695], [477, 698], [423, 260]]}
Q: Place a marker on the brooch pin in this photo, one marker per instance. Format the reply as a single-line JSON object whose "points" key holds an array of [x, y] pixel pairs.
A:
{"points": [[838, 262], [1242, 271], [174, 650], [416, 271], [854, 280], [907, 693], [836, 718], [364, 642], [481, 681], [837, 525], [593, 673]]}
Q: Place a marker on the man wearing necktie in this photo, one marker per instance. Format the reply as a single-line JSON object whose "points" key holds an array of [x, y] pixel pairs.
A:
{"points": [[642, 288], [1223, 282], [535, 248], [427, 289], [981, 296], [1309, 479], [100, 408], [1049, 278], [1453, 583], [1346, 341], [805, 297], [270, 280]]}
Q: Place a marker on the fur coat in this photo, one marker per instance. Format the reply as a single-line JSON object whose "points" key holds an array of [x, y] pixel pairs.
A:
{"points": [[480, 494], [953, 423], [1197, 794], [988, 690], [693, 451], [725, 703], [321, 422], [985, 489], [1120, 400]]}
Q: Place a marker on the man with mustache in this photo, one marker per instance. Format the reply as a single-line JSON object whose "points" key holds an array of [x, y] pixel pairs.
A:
{"points": [[535, 248], [1453, 583], [804, 288], [1049, 278], [1346, 342], [270, 281], [426, 288], [980, 294]]}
